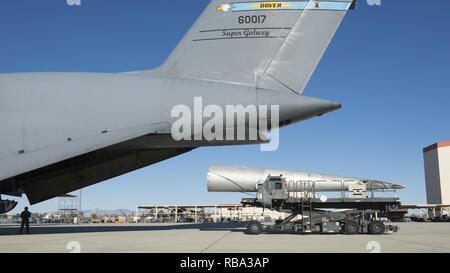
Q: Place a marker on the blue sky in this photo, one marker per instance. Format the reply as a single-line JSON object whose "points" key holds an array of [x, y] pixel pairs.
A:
{"points": [[388, 65]]}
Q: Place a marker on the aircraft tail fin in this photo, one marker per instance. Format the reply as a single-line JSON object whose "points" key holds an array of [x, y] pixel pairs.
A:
{"points": [[267, 44]]}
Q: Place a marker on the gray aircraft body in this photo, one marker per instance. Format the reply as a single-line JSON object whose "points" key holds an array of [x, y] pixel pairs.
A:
{"points": [[64, 131]]}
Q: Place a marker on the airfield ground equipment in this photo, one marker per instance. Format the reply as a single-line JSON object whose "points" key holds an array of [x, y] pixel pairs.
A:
{"points": [[358, 213]]}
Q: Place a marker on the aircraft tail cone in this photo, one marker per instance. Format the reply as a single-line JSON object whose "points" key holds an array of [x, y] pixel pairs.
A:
{"points": [[294, 108]]}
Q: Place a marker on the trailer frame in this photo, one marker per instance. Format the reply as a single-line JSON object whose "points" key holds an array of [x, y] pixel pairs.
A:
{"points": [[357, 215]]}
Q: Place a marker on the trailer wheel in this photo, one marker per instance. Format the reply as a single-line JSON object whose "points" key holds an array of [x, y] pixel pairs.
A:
{"points": [[254, 228], [351, 227], [393, 206], [377, 228]]}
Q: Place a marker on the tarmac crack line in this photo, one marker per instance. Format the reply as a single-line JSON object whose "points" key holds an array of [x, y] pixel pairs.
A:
{"points": [[216, 242]]}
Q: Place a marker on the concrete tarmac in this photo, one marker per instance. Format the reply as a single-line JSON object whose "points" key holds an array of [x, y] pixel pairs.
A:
{"points": [[215, 238]]}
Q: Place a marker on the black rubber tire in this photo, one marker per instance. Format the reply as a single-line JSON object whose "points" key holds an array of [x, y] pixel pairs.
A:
{"points": [[351, 227], [393, 206], [377, 228], [254, 228]]}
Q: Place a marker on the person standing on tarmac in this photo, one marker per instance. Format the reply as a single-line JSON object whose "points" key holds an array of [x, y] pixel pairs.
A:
{"points": [[25, 215]]}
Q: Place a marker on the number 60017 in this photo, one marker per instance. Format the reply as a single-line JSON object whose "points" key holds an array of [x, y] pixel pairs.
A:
{"points": [[254, 19]]}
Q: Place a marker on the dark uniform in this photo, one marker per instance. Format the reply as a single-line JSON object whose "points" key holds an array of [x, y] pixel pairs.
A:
{"points": [[25, 215]]}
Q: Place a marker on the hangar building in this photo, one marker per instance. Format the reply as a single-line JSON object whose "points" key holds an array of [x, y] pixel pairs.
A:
{"points": [[437, 172]]}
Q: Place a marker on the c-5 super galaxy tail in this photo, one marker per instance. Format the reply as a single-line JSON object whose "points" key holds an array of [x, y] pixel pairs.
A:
{"points": [[267, 44]]}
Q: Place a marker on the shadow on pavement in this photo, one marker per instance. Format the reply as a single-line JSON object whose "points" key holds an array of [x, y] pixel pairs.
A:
{"points": [[63, 229]]}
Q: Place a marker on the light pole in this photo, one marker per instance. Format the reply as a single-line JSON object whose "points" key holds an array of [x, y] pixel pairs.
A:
{"points": [[79, 207]]}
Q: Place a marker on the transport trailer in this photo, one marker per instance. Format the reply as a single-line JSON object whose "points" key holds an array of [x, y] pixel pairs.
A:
{"points": [[309, 214]]}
